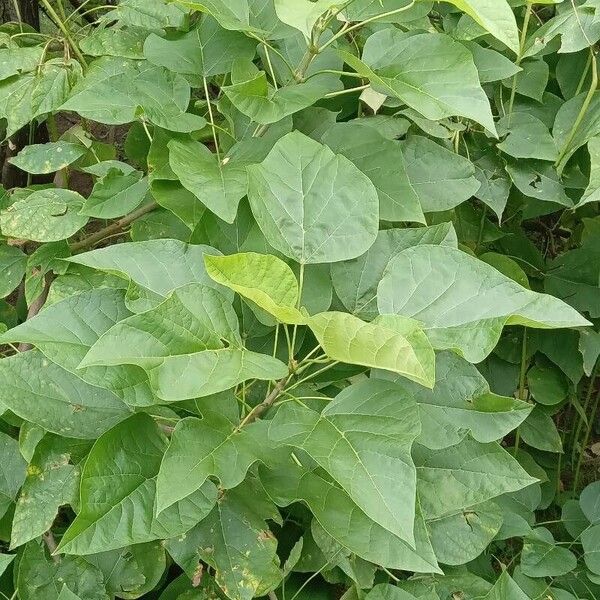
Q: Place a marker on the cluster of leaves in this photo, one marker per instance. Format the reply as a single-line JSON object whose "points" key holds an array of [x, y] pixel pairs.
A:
{"points": [[349, 348]]}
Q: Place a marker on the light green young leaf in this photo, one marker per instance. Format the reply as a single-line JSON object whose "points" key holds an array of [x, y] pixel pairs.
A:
{"points": [[46, 215], [495, 16], [180, 344], [461, 404], [361, 437], [65, 331], [13, 262], [52, 481], [541, 557], [355, 281], [460, 538], [469, 473], [116, 195], [430, 72], [67, 594], [41, 392], [207, 447], [438, 287], [206, 50], [343, 520], [41, 159], [303, 14], [122, 511], [117, 91], [219, 185], [390, 342], [287, 192], [235, 540], [263, 278]]}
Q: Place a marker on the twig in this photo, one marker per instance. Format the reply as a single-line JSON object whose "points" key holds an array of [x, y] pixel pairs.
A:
{"points": [[35, 308], [115, 227], [260, 409]]}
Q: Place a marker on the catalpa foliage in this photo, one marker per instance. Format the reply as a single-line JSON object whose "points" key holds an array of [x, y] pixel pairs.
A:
{"points": [[300, 300]]}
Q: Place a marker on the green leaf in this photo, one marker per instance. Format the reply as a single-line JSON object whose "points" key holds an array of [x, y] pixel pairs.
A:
{"points": [[303, 14], [263, 278], [115, 195], [46, 215], [117, 91], [12, 472], [231, 14], [343, 520], [15, 60], [364, 434], [219, 185], [441, 297], [384, 591], [52, 481], [156, 266], [495, 16], [590, 539], [5, 560], [592, 192], [113, 41], [189, 346], [286, 193], [461, 404], [590, 502], [542, 558], [41, 392], [547, 384], [40, 159], [149, 14], [206, 50], [526, 137], [40, 577], [236, 541], [539, 180], [122, 512], [463, 536], [208, 447], [355, 281], [390, 342], [67, 594], [252, 95], [469, 473], [506, 588], [491, 65], [430, 72], [65, 332], [12, 268], [539, 431]]}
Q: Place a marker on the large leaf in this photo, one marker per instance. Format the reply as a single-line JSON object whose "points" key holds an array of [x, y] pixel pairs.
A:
{"points": [[464, 303], [122, 511], [47, 158], [12, 268], [263, 278], [206, 50], [355, 281], [506, 588], [219, 185], [312, 205], [430, 72], [390, 342], [12, 472], [66, 331], [495, 16], [303, 14], [461, 404], [411, 177], [469, 473], [343, 520], [117, 91], [236, 541], [541, 557], [44, 216], [361, 437], [157, 266], [41, 392], [189, 345], [208, 447]]}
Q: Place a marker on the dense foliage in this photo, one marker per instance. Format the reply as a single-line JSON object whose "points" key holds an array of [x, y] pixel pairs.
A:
{"points": [[300, 300]]}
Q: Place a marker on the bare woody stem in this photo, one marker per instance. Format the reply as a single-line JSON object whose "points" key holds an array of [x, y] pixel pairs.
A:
{"points": [[262, 408]]}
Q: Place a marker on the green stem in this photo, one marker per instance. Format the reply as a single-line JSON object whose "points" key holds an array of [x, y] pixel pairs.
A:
{"points": [[586, 406], [481, 227], [585, 72], [52, 13], [523, 38], [212, 119], [584, 107], [522, 375], [360, 88]]}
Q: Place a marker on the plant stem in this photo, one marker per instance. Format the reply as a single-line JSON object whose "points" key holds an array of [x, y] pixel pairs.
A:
{"points": [[212, 120], [522, 40], [261, 408], [584, 107], [360, 88], [586, 438], [52, 13], [115, 227], [522, 374], [586, 406]]}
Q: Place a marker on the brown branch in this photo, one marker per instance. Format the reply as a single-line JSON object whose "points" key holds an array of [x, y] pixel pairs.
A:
{"points": [[115, 227], [261, 408], [35, 308]]}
